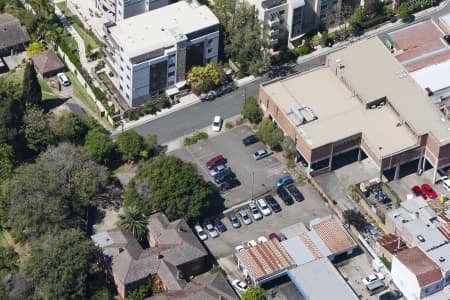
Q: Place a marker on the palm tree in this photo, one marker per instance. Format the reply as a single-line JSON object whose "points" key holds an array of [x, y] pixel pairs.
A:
{"points": [[133, 221]]}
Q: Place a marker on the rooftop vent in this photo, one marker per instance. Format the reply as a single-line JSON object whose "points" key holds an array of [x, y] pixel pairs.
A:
{"points": [[441, 259], [298, 115], [421, 238]]}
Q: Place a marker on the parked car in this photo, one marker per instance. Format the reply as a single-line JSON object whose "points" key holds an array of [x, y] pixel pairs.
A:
{"points": [[274, 236], [218, 169], [249, 140], [251, 243], [217, 124], [417, 191], [255, 211], [274, 205], [262, 239], [229, 183], [245, 217], [62, 78], [372, 231], [212, 95], [200, 232], [372, 278], [428, 190], [239, 285], [234, 220], [224, 176], [263, 207], [216, 160], [284, 181], [204, 97], [408, 19], [391, 295], [284, 195], [260, 154], [219, 225], [298, 196], [211, 230]]}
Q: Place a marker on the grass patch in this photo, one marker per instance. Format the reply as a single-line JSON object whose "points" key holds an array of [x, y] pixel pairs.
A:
{"points": [[71, 44], [62, 6], [104, 77], [89, 41], [192, 139], [47, 93]]}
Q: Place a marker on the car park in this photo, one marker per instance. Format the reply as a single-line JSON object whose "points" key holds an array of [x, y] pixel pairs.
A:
{"points": [[256, 214], [229, 183], [372, 278], [284, 195], [251, 243], [211, 230], [200, 232], [298, 196], [239, 285], [260, 154], [273, 204], [245, 217], [216, 160], [234, 220], [218, 169], [219, 225], [428, 190], [263, 207], [391, 295], [284, 181], [262, 239], [249, 140], [217, 124]]}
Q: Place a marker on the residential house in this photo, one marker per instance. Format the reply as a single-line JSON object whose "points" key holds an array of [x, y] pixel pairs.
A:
{"points": [[13, 36], [47, 63]]}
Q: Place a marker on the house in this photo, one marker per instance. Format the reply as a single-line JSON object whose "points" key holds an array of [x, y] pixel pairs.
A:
{"points": [[415, 274], [182, 36], [175, 255], [13, 36], [47, 63], [390, 245]]}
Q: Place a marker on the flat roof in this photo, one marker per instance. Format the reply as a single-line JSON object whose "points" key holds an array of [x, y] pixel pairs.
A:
{"points": [[441, 256], [159, 28], [374, 73], [445, 19], [436, 77], [319, 279]]}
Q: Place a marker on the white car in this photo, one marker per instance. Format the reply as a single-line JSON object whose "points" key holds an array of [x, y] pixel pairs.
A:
{"points": [[63, 79], [245, 217], [217, 169], [217, 124], [263, 207], [262, 239], [255, 211], [372, 278], [200, 232], [251, 243], [262, 153], [239, 285], [211, 230], [239, 248]]}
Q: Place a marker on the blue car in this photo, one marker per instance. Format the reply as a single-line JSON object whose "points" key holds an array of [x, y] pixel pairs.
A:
{"points": [[219, 225], [284, 181]]}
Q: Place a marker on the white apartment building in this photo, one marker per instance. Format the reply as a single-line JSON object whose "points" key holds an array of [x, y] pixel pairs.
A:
{"points": [[153, 51], [122, 9]]}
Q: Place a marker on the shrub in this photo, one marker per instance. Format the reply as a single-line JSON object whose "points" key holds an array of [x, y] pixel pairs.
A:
{"points": [[229, 125], [189, 140], [251, 110], [240, 121], [240, 74], [202, 135]]}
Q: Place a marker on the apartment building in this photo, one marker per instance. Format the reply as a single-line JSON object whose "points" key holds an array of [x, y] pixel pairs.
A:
{"points": [[153, 51], [123, 9]]}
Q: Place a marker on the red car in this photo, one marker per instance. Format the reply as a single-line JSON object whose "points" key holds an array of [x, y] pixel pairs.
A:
{"points": [[217, 160], [428, 190], [418, 192]]}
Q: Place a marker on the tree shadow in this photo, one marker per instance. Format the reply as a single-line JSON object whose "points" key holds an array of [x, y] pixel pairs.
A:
{"points": [[49, 104]]}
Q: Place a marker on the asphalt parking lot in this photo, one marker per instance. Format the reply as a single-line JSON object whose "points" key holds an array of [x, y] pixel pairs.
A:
{"points": [[240, 158]]}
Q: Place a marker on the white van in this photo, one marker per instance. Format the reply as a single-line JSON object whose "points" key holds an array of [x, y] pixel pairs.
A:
{"points": [[63, 79]]}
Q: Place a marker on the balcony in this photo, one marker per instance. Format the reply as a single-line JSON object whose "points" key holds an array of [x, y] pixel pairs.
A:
{"points": [[274, 22], [274, 32]]}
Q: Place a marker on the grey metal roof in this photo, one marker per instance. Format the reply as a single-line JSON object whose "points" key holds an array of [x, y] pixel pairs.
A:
{"points": [[298, 250]]}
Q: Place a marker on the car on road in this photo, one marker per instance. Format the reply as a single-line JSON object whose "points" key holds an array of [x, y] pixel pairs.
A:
{"points": [[218, 169], [262, 239], [249, 140], [417, 191], [285, 180], [391, 295], [219, 225], [216, 160], [217, 124], [239, 285], [274, 205], [234, 220], [255, 211], [428, 190], [200, 232], [260, 154], [245, 217], [229, 183], [224, 176], [211, 230], [284, 195], [62, 78], [372, 278], [298, 196], [263, 207], [408, 19]]}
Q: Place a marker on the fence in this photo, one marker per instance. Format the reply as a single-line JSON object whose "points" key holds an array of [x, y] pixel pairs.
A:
{"points": [[73, 69]]}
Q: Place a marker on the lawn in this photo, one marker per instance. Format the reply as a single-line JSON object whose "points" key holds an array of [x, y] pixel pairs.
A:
{"points": [[88, 40], [47, 92], [62, 6]]}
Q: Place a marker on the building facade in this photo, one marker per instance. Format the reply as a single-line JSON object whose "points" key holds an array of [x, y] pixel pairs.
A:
{"points": [[182, 36], [122, 9]]}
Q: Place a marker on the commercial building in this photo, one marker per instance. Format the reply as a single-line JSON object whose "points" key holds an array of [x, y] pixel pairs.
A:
{"points": [[333, 113], [153, 51]]}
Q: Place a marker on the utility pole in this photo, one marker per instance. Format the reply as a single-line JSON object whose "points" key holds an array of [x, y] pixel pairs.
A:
{"points": [[253, 183]]}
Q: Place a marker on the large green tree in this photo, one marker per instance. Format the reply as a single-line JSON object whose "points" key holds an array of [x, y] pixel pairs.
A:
{"points": [[36, 128], [251, 110], [99, 146], [60, 265], [254, 293], [269, 133], [6, 161], [130, 145], [204, 78], [69, 128], [133, 221], [32, 92]]}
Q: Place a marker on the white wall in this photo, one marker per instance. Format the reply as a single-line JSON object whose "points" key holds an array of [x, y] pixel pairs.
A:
{"points": [[405, 280]]}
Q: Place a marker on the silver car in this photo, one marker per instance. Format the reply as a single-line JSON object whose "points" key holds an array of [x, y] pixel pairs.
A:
{"points": [[218, 169], [211, 230], [262, 153], [245, 217], [255, 211]]}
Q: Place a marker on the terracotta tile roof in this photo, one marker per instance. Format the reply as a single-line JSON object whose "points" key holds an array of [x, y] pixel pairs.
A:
{"points": [[265, 259], [310, 245], [425, 269], [445, 230], [390, 243], [443, 217], [428, 61], [333, 234]]}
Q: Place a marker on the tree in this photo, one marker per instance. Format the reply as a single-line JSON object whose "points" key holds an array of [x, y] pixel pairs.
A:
{"points": [[203, 78], [36, 128], [99, 146], [6, 161], [289, 148], [355, 218], [269, 133], [130, 145], [373, 8], [251, 110], [133, 221], [254, 293], [59, 266], [403, 10], [356, 20], [172, 185], [34, 48], [32, 92], [69, 128], [151, 141], [11, 114]]}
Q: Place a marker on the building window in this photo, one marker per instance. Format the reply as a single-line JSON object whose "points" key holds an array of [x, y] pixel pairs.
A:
{"points": [[121, 68], [171, 83], [208, 61], [281, 12], [172, 65], [121, 87], [121, 78], [128, 96], [128, 67], [210, 50], [121, 59], [210, 41], [128, 87], [170, 74], [128, 77]]}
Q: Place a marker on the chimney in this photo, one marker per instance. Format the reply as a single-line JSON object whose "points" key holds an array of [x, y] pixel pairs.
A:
{"points": [[399, 242]]}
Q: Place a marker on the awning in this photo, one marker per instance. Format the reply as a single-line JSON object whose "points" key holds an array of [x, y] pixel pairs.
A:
{"points": [[180, 84], [172, 91]]}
